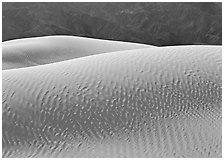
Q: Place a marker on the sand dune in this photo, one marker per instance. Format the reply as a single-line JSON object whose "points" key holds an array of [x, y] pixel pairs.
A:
{"points": [[155, 102], [43, 50]]}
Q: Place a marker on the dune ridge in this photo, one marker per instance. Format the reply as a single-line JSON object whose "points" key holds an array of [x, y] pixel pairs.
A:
{"points": [[153, 102], [49, 49]]}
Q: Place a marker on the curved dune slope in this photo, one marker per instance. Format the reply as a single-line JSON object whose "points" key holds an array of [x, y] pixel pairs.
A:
{"points": [[43, 50], [155, 102]]}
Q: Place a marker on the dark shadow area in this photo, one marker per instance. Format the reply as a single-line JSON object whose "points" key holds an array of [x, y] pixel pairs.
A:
{"points": [[160, 24]]}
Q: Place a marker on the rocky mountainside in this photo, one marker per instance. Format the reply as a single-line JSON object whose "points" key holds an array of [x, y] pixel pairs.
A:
{"points": [[159, 24]]}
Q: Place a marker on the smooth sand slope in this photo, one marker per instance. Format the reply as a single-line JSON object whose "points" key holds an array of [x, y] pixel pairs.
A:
{"points": [[155, 102], [43, 50]]}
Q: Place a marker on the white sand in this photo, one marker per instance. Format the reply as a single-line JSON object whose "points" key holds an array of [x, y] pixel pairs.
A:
{"points": [[155, 102], [43, 50]]}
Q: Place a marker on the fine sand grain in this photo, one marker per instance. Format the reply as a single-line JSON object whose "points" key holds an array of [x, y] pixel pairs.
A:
{"points": [[154, 102], [43, 50]]}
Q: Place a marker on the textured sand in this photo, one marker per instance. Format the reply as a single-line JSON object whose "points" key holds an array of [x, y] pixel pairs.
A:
{"points": [[43, 50], [155, 102]]}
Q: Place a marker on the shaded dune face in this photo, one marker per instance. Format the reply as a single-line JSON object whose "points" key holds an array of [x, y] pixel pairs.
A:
{"points": [[43, 50], [156, 102]]}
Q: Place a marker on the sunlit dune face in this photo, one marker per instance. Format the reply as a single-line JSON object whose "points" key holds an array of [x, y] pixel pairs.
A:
{"points": [[44, 50]]}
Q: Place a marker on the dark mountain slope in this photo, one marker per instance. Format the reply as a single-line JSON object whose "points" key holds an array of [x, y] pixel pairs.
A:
{"points": [[150, 23]]}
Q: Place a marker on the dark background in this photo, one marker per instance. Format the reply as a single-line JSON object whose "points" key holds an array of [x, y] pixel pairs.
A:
{"points": [[160, 24]]}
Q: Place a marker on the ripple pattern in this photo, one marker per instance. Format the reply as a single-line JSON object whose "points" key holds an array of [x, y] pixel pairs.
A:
{"points": [[156, 102]]}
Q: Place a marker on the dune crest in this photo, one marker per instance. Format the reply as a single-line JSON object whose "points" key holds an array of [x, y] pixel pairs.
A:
{"points": [[153, 102], [43, 50]]}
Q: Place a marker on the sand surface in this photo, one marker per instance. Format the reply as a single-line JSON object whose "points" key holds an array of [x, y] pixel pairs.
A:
{"points": [[154, 102], [43, 50]]}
